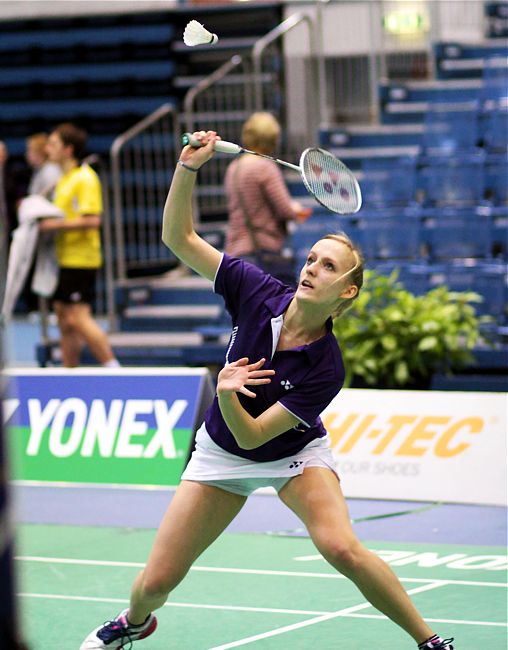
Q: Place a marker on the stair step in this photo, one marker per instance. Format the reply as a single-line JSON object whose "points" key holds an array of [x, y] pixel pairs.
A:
{"points": [[168, 312], [173, 318]]}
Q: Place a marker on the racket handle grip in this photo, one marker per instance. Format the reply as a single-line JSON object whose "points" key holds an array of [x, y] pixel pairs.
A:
{"points": [[221, 145]]}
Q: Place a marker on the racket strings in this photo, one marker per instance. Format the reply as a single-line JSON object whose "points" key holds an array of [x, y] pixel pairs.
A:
{"points": [[330, 181]]}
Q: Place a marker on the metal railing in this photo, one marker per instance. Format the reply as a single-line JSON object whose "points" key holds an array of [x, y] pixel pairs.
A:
{"points": [[142, 163], [242, 85]]}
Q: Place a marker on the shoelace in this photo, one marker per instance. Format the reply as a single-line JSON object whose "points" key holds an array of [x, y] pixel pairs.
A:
{"points": [[442, 645], [108, 630]]}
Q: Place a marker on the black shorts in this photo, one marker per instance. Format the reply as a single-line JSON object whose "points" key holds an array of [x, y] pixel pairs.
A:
{"points": [[75, 286]]}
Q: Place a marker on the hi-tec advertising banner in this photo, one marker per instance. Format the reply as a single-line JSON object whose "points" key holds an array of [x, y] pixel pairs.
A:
{"points": [[127, 426], [421, 445]]}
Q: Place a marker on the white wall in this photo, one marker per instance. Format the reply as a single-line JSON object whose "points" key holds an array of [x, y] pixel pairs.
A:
{"points": [[354, 26]]}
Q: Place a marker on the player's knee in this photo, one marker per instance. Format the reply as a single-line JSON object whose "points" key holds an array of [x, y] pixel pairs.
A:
{"points": [[66, 326], [67, 322], [347, 557]]}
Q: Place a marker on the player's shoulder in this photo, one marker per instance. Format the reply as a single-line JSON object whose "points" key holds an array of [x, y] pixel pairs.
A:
{"points": [[85, 171]]}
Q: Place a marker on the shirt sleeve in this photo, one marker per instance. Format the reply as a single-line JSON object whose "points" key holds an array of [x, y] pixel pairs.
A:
{"points": [[238, 282], [89, 194]]}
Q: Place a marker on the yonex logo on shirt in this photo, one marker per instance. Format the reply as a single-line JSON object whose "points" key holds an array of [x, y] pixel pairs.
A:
{"points": [[287, 384]]}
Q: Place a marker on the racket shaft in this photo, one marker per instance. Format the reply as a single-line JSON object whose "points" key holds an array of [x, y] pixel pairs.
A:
{"points": [[230, 147]]}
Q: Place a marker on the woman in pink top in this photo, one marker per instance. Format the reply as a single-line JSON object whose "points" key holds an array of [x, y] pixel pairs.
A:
{"points": [[259, 203]]}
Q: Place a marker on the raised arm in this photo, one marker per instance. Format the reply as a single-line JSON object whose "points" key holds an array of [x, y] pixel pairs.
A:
{"points": [[177, 227]]}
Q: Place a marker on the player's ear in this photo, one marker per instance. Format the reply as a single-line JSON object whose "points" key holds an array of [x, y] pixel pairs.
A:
{"points": [[350, 292]]}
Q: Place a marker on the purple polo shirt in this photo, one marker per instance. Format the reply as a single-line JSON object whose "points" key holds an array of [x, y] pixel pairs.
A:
{"points": [[306, 378]]}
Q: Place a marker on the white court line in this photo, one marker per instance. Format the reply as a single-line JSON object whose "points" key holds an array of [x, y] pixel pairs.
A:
{"points": [[238, 608], [314, 621], [123, 601], [264, 572], [451, 621]]}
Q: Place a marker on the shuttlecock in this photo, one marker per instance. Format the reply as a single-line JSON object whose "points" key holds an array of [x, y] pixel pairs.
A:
{"points": [[196, 34]]}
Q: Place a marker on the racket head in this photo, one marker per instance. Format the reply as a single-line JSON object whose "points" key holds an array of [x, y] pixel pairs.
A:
{"points": [[329, 181]]}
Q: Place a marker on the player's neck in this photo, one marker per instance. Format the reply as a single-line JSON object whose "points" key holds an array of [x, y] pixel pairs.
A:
{"points": [[68, 165], [302, 325]]}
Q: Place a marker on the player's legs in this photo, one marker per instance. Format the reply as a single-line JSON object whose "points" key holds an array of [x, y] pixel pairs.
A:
{"points": [[316, 498], [79, 319], [196, 516], [70, 340]]}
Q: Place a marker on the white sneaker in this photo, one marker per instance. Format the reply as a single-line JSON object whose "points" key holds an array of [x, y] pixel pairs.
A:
{"points": [[116, 634]]}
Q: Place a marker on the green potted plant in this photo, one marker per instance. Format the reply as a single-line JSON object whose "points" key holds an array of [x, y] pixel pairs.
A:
{"points": [[391, 338]]}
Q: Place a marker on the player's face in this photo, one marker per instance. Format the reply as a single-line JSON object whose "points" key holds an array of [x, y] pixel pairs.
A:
{"points": [[56, 149], [321, 278]]}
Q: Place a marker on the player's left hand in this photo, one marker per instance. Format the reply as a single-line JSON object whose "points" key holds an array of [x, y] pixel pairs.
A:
{"points": [[235, 376]]}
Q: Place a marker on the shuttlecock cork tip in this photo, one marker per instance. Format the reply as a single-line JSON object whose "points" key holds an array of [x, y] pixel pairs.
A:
{"points": [[196, 34]]}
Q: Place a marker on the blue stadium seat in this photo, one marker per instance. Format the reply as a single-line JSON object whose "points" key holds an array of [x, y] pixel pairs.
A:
{"points": [[389, 236], [414, 276], [467, 60], [93, 35], [53, 74], [456, 181], [494, 128], [496, 179], [495, 81], [497, 19], [69, 109], [387, 183], [490, 280], [465, 234], [447, 129]]}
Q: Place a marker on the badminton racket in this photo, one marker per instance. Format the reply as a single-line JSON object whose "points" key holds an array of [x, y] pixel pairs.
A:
{"points": [[325, 177]]}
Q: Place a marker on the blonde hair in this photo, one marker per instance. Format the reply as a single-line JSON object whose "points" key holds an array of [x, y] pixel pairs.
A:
{"points": [[261, 132], [355, 272]]}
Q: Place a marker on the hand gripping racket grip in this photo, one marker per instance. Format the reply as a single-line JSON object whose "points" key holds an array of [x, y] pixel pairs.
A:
{"points": [[221, 145]]}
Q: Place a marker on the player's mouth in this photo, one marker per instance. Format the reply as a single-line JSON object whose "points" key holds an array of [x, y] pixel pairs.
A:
{"points": [[306, 284]]}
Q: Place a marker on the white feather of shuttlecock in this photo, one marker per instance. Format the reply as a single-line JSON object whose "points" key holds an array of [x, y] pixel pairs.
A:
{"points": [[196, 34]]}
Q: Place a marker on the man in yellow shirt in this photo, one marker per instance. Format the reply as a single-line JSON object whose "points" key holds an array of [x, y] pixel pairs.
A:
{"points": [[78, 246]]}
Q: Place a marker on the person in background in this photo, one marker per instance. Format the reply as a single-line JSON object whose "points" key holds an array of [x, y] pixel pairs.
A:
{"points": [[259, 204], [13, 187], [78, 246], [45, 174], [43, 179]]}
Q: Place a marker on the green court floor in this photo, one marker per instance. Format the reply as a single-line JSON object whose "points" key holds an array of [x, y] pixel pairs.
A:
{"points": [[256, 590]]}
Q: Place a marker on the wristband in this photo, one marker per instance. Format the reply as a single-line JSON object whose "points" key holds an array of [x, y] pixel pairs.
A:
{"points": [[191, 169]]}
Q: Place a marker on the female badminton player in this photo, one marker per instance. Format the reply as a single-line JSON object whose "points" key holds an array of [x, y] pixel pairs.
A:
{"points": [[283, 367]]}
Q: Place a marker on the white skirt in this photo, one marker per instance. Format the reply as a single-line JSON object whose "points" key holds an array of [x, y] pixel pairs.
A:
{"points": [[213, 465]]}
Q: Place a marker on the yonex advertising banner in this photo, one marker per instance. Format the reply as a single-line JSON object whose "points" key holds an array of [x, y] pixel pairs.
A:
{"points": [[421, 445], [127, 426]]}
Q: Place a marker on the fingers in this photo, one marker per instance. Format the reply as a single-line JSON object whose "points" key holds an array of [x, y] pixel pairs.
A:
{"points": [[244, 361], [247, 392], [197, 156], [206, 138], [256, 374]]}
